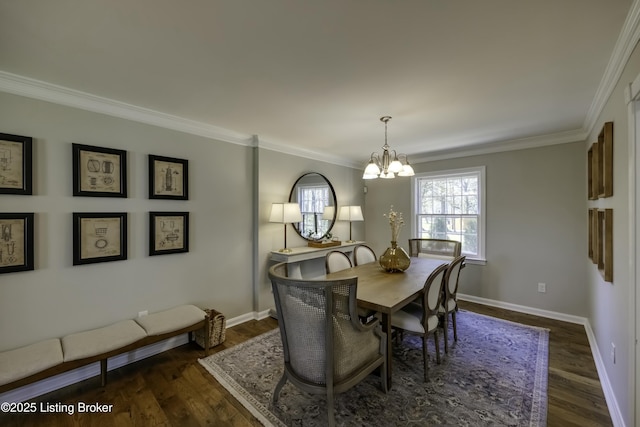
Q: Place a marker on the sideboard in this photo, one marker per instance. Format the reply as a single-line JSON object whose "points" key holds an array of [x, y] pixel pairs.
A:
{"points": [[307, 262]]}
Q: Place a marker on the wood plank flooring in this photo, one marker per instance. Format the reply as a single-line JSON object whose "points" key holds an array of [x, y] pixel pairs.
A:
{"points": [[173, 389]]}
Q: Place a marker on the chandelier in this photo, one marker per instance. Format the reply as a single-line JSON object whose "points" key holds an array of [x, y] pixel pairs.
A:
{"points": [[387, 165]]}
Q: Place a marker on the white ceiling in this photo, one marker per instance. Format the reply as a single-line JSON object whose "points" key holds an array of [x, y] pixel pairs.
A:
{"points": [[317, 75]]}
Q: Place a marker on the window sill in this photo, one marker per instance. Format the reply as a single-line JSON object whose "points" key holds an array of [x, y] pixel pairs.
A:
{"points": [[475, 261]]}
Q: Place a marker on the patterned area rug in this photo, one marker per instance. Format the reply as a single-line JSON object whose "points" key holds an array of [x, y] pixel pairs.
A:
{"points": [[496, 374]]}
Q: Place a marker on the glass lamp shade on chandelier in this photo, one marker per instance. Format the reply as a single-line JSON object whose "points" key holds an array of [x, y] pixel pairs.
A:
{"points": [[387, 165]]}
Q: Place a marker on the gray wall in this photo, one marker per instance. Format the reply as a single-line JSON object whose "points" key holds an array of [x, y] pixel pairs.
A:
{"points": [[611, 310], [535, 228], [58, 298], [278, 173]]}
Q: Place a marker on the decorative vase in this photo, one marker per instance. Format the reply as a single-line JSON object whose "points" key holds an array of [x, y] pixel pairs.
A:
{"points": [[394, 259]]}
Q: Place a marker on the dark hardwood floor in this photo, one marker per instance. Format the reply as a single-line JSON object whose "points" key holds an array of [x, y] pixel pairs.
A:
{"points": [[173, 389]]}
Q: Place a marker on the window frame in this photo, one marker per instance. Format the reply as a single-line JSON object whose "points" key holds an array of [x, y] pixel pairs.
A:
{"points": [[480, 258]]}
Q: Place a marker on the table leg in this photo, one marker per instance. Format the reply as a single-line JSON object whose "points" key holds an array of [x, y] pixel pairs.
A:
{"points": [[386, 328]]}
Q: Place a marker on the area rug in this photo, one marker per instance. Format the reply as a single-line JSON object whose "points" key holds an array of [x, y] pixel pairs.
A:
{"points": [[495, 374]]}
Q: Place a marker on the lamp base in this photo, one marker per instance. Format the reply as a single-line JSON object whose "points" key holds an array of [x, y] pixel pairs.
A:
{"points": [[285, 250], [350, 241]]}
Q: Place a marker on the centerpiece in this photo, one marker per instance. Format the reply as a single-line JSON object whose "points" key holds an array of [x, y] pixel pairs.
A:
{"points": [[395, 258]]}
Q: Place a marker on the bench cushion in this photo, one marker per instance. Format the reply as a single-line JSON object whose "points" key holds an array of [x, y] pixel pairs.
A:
{"points": [[171, 320], [101, 340], [28, 360]]}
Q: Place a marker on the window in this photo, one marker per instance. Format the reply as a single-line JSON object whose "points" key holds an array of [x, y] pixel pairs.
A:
{"points": [[450, 205], [312, 200]]}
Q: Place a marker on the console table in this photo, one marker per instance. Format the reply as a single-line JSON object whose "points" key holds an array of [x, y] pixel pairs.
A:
{"points": [[307, 258]]}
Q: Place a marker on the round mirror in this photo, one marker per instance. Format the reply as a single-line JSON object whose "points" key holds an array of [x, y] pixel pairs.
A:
{"points": [[317, 199]]}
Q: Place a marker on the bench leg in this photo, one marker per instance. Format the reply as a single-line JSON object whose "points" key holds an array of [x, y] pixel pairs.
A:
{"points": [[103, 372]]}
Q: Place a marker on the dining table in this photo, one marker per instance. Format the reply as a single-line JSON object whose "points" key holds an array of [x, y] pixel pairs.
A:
{"points": [[387, 293]]}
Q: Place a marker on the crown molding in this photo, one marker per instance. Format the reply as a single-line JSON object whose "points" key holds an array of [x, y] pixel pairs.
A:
{"points": [[577, 135], [626, 43], [308, 154], [31, 88]]}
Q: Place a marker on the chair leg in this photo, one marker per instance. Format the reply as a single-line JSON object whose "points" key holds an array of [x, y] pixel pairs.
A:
{"points": [[455, 329], [276, 391], [446, 333], [425, 356], [435, 336]]}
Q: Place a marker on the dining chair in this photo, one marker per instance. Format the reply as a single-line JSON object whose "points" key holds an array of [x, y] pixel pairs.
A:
{"points": [[336, 261], [363, 254], [421, 318], [434, 248], [449, 304], [326, 348]]}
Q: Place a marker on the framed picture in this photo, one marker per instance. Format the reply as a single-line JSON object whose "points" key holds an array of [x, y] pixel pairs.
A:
{"points": [[16, 242], [605, 244], [168, 233], [15, 164], [605, 161], [99, 237], [592, 172], [168, 178], [99, 172]]}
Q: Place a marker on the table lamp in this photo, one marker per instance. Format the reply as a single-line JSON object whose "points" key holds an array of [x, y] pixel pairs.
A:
{"points": [[285, 213], [350, 213]]}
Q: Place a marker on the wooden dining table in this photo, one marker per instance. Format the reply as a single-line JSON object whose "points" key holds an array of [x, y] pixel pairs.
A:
{"points": [[387, 293]]}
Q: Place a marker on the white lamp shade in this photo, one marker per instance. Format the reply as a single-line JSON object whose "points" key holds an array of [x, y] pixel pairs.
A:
{"points": [[395, 166], [350, 213], [285, 213], [371, 171], [407, 170], [329, 212]]}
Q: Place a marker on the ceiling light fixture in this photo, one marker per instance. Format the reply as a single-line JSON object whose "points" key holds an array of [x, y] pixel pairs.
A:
{"points": [[384, 166]]}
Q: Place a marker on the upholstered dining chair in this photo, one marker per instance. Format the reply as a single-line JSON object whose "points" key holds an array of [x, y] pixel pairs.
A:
{"points": [[363, 254], [449, 304], [421, 318], [326, 348], [336, 261], [434, 248]]}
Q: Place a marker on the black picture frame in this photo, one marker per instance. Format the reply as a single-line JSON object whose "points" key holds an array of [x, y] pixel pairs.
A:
{"points": [[16, 164], [99, 171], [168, 178], [16, 242], [168, 233], [99, 237]]}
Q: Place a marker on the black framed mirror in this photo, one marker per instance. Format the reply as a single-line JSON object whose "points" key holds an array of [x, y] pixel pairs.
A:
{"points": [[317, 199]]}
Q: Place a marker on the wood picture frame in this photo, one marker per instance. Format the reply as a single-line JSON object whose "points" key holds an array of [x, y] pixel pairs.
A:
{"points": [[16, 164], [592, 172], [605, 161], [168, 233], [605, 244], [16, 242], [99, 171], [168, 178], [592, 234], [99, 237]]}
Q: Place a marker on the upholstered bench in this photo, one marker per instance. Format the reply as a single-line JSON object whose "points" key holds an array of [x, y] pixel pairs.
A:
{"points": [[28, 360], [37, 361]]}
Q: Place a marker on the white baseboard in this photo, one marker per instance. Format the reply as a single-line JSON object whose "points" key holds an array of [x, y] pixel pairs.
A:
{"points": [[612, 403], [524, 309]]}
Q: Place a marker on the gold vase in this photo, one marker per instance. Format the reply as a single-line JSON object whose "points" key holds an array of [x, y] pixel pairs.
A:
{"points": [[394, 259]]}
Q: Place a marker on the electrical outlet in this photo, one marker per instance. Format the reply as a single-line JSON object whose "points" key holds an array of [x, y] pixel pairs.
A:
{"points": [[542, 287], [142, 313], [613, 353]]}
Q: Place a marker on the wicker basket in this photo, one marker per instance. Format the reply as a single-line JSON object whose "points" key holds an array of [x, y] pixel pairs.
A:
{"points": [[217, 329]]}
